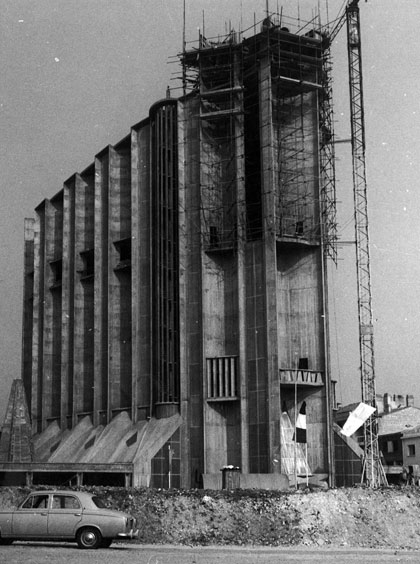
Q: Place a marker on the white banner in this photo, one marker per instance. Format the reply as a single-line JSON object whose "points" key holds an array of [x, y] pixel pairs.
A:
{"points": [[357, 418]]}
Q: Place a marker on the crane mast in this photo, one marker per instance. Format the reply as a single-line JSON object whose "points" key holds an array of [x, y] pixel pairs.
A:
{"points": [[372, 472]]}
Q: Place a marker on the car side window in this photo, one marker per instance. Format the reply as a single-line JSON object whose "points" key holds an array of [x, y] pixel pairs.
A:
{"points": [[28, 503], [36, 502], [65, 502]]}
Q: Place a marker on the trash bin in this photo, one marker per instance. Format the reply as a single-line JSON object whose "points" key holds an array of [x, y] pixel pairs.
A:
{"points": [[230, 477]]}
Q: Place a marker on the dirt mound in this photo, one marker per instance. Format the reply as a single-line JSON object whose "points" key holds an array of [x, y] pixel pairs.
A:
{"points": [[353, 517]]}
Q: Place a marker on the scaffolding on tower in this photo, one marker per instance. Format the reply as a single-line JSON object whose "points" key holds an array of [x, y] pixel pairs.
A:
{"points": [[301, 85]]}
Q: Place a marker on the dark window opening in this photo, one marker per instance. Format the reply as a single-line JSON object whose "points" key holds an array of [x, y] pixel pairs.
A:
{"points": [[57, 272], [131, 440], [303, 364], [88, 258], [54, 447], [90, 443], [214, 236], [124, 249], [299, 229]]}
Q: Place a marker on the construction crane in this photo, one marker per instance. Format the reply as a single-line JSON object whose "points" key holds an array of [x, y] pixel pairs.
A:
{"points": [[372, 470]]}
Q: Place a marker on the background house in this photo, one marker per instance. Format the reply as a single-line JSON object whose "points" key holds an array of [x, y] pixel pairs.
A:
{"points": [[397, 416], [410, 445]]}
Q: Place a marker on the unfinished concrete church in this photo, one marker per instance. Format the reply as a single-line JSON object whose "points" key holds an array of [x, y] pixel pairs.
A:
{"points": [[175, 314]]}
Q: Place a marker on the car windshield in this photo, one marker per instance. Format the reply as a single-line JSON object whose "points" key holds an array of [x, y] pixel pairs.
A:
{"points": [[99, 502]]}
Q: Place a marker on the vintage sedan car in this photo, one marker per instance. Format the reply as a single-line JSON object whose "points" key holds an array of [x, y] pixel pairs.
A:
{"points": [[66, 516]]}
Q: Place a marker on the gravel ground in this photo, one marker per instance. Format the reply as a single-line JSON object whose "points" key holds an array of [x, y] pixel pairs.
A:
{"points": [[352, 517], [31, 553]]}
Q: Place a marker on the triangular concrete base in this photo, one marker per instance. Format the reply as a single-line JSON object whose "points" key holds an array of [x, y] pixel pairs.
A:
{"points": [[15, 441]]}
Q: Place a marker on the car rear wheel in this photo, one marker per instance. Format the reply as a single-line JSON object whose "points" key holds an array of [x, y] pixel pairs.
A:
{"points": [[106, 543], [5, 541], [89, 538]]}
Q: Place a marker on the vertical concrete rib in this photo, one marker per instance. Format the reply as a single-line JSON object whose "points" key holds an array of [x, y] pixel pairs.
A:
{"points": [[101, 408], [270, 259], [135, 271], [51, 401], [183, 352], [114, 359], [38, 318], [67, 305], [38, 307], [119, 279], [240, 264], [140, 275], [47, 312], [191, 268], [27, 309], [83, 379]]}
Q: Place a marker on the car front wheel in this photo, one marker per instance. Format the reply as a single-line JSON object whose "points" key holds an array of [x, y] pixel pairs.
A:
{"points": [[89, 538]]}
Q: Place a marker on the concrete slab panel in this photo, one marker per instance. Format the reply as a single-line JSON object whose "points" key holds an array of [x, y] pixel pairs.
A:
{"points": [[69, 446], [110, 437], [45, 441]]}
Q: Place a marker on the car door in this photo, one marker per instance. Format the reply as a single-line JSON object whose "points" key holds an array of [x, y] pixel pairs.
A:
{"points": [[31, 519], [64, 515]]}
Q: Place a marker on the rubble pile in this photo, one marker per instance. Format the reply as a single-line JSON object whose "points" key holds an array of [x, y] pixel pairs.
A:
{"points": [[351, 517]]}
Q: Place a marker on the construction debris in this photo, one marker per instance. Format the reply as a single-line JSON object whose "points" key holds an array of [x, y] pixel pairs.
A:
{"points": [[351, 517]]}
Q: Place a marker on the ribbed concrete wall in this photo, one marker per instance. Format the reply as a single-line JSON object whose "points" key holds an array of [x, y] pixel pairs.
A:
{"points": [[89, 269], [78, 355]]}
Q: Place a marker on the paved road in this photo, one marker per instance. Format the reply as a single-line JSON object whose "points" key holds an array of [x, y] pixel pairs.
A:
{"points": [[33, 553]]}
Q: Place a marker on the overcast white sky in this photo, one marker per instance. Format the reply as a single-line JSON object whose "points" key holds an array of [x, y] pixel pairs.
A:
{"points": [[76, 74]]}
